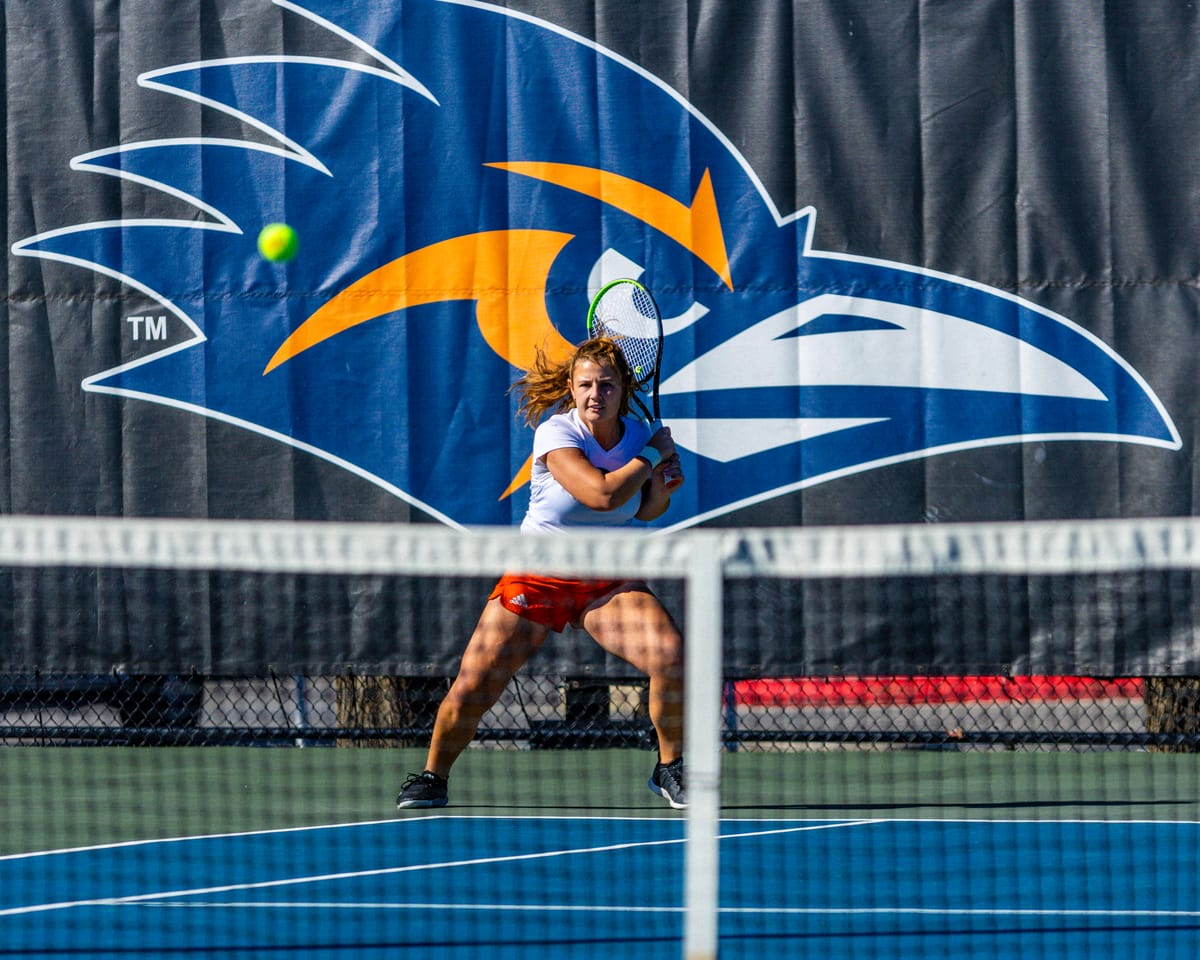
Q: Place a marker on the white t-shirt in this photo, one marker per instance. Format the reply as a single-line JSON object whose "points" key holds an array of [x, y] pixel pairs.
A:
{"points": [[550, 506]]}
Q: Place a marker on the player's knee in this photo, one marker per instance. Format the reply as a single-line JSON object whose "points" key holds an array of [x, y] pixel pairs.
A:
{"points": [[666, 661]]}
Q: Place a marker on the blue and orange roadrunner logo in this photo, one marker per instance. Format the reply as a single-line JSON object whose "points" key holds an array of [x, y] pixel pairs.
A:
{"points": [[461, 183]]}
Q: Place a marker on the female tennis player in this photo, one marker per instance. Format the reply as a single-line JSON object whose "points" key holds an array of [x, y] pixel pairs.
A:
{"points": [[593, 465]]}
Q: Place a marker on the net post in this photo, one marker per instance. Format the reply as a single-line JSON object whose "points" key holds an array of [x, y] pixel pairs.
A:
{"points": [[702, 748]]}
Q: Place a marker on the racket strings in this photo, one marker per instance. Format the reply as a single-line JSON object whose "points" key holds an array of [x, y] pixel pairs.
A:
{"points": [[628, 315], [641, 355]]}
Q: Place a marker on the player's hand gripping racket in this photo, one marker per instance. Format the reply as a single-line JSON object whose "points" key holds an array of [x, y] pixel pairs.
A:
{"points": [[624, 311]]}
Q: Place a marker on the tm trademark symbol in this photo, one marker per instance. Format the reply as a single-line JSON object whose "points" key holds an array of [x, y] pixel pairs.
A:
{"points": [[148, 328]]}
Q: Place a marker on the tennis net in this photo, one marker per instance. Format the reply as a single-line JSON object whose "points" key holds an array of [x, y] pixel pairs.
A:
{"points": [[830, 674]]}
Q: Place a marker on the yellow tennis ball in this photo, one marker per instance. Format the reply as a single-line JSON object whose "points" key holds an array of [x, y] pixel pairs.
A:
{"points": [[278, 242]]}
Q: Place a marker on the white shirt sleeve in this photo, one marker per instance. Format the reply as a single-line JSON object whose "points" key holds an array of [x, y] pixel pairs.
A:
{"points": [[556, 433]]}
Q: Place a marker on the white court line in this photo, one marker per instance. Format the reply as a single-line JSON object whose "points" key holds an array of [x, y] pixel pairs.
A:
{"points": [[809, 827], [347, 875], [430, 818], [122, 844], [389, 871]]}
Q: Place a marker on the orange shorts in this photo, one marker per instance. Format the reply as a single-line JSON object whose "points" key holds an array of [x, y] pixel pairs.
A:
{"points": [[548, 600]]}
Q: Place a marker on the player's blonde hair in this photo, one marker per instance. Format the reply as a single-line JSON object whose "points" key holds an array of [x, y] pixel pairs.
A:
{"points": [[547, 387]]}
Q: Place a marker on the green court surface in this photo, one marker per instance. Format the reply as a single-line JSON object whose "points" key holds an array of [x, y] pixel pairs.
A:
{"points": [[66, 797]]}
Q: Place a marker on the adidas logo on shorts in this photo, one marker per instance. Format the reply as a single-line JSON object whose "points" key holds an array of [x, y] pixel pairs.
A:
{"points": [[519, 601]]}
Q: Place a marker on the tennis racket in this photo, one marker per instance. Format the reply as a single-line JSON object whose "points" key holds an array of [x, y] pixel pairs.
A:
{"points": [[625, 312]]}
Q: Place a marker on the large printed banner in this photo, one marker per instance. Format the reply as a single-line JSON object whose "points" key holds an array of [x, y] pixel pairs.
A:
{"points": [[919, 261], [463, 176]]}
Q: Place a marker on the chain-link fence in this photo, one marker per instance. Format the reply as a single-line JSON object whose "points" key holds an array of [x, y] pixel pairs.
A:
{"points": [[538, 711]]}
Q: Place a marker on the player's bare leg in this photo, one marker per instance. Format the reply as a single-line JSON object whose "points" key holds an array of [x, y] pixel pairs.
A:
{"points": [[500, 645], [631, 624]]}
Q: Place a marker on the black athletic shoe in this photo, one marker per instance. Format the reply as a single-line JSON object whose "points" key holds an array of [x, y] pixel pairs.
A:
{"points": [[422, 790], [667, 782]]}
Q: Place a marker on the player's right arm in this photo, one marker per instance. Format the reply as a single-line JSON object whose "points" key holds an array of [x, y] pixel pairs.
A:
{"points": [[600, 489], [593, 487]]}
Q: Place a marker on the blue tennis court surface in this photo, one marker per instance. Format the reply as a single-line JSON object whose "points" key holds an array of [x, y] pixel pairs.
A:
{"points": [[531, 887]]}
